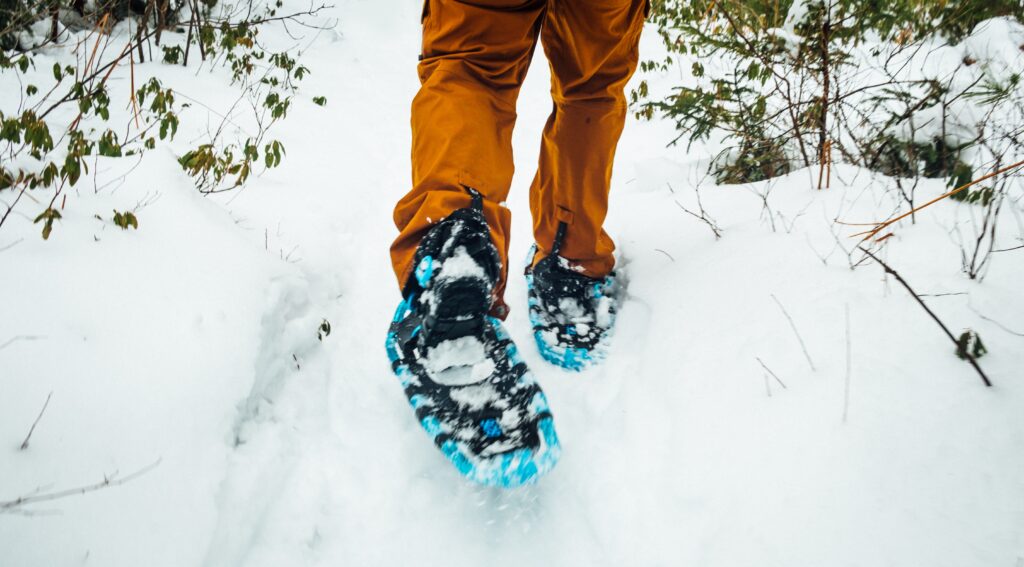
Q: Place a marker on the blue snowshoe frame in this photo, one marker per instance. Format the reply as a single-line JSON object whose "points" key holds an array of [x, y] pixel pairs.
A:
{"points": [[570, 358], [510, 469]]}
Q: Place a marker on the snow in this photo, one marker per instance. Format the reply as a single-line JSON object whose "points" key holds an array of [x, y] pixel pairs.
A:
{"points": [[461, 265], [572, 309], [474, 397], [988, 44], [795, 16], [458, 362], [192, 342]]}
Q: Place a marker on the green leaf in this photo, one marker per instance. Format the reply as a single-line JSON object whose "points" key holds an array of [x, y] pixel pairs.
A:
{"points": [[125, 220], [969, 346], [108, 145], [48, 216]]}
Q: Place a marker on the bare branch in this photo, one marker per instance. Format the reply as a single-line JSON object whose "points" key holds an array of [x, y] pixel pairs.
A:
{"points": [[795, 332], [703, 216], [665, 253], [24, 444], [931, 313], [769, 370], [846, 388], [17, 338], [107, 482], [994, 322]]}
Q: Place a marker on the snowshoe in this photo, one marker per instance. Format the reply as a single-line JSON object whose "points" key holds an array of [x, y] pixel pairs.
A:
{"points": [[572, 315], [464, 378]]}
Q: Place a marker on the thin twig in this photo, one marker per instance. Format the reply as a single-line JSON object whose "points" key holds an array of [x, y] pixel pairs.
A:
{"points": [[1009, 249], [131, 92], [10, 207], [769, 370], [7, 247], [826, 166], [24, 444], [868, 234], [795, 332], [107, 482], [100, 26], [714, 229], [994, 322], [846, 389], [17, 338], [188, 39], [935, 317]]}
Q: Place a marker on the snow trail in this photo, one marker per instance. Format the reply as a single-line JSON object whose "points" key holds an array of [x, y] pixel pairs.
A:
{"points": [[679, 449], [674, 452]]}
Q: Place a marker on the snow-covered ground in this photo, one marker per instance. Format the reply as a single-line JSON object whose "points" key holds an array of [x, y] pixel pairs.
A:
{"points": [[192, 343]]}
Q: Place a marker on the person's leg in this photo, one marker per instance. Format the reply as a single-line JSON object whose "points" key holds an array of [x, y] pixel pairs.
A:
{"points": [[592, 46], [475, 57]]}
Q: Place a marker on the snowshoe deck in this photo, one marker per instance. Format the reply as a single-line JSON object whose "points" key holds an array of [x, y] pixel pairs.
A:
{"points": [[477, 400], [574, 341]]}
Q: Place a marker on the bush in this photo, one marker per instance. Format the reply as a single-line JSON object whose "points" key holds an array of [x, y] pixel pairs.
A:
{"points": [[40, 152], [790, 83]]}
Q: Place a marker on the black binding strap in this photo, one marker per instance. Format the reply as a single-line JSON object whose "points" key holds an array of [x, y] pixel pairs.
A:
{"points": [[556, 246], [478, 199]]}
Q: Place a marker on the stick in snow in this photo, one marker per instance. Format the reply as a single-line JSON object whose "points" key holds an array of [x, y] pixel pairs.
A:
{"points": [[24, 444], [765, 366], [935, 317], [18, 241], [17, 338], [703, 216], [880, 226], [795, 332], [108, 482], [846, 391], [994, 322]]}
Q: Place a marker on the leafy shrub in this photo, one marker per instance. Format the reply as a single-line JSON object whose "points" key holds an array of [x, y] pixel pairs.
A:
{"points": [[782, 81], [38, 151]]}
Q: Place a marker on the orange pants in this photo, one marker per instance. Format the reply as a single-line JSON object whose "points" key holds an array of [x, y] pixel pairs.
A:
{"points": [[475, 57]]}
